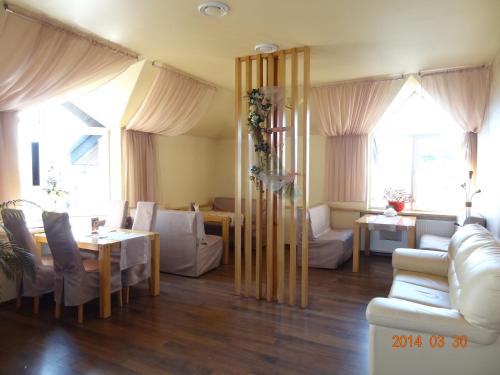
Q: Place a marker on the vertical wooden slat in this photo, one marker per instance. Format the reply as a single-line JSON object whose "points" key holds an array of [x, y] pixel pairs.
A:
{"points": [[258, 209], [249, 190], [305, 182], [270, 201], [237, 203], [293, 165], [280, 209]]}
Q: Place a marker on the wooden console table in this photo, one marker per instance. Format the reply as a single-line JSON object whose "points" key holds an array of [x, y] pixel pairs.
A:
{"points": [[380, 222]]}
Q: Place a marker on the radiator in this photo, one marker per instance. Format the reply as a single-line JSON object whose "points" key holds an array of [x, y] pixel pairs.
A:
{"points": [[437, 227], [386, 242]]}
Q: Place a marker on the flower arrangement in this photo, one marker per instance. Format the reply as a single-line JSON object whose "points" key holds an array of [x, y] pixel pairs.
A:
{"points": [[53, 189], [264, 171], [397, 198]]}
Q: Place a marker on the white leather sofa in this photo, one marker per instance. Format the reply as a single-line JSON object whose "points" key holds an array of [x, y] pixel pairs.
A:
{"points": [[440, 296], [185, 249]]}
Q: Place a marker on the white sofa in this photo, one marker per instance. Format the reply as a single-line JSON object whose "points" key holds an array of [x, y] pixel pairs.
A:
{"points": [[184, 247], [449, 294], [328, 247]]}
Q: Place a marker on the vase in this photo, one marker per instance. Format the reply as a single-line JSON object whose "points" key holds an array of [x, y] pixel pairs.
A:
{"points": [[398, 206]]}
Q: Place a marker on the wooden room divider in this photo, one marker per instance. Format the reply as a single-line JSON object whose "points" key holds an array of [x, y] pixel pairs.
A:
{"points": [[284, 78]]}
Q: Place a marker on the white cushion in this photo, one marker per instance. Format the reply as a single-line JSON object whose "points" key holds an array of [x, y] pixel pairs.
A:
{"points": [[422, 279], [319, 219], [420, 294], [432, 242]]}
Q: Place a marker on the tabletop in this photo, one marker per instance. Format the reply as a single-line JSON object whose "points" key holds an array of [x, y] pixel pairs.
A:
{"points": [[399, 221], [88, 241]]}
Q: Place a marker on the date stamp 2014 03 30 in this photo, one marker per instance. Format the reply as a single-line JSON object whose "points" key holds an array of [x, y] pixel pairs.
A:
{"points": [[434, 341]]}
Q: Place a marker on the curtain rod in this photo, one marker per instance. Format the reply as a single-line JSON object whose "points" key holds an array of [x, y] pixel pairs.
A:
{"points": [[159, 64], [389, 77], [447, 70], [41, 18]]}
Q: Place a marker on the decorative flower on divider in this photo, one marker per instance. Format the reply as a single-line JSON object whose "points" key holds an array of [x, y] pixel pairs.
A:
{"points": [[260, 107]]}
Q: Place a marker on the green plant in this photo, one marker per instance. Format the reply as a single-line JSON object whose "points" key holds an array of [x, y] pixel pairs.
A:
{"points": [[14, 260]]}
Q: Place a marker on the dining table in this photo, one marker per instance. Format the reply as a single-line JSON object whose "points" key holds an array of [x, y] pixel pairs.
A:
{"points": [[104, 243]]}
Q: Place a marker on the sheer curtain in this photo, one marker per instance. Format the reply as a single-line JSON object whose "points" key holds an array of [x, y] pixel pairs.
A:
{"points": [[39, 61], [464, 94], [174, 104], [346, 113]]}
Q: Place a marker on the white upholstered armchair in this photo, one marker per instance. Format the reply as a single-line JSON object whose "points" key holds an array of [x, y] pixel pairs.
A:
{"points": [[328, 247], [185, 249]]}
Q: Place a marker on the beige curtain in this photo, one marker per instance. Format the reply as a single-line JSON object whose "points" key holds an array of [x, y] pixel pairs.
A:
{"points": [[174, 104], [346, 166], [464, 94], [39, 61], [9, 171], [346, 113], [139, 167]]}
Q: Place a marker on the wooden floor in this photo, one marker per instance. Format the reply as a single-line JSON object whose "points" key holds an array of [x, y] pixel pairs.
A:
{"points": [[197, 326]]}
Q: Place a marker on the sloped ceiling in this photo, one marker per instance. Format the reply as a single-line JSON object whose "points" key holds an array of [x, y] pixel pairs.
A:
{"points": [[348, 38]]}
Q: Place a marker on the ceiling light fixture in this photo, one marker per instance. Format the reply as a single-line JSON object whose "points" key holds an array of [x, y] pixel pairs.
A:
{"points": [[213, 9], [266, 47]]}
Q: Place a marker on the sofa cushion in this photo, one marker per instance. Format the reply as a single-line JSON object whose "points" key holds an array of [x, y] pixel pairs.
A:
{"points": [[474, 276], [479, 279], [420, 294], [432, 242], [463, 234], [319, 219], [422, 279]]}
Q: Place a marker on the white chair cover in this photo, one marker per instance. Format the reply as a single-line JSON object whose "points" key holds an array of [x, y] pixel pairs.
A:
{"points": [[144, 220], [117, 214], [77, 280]]}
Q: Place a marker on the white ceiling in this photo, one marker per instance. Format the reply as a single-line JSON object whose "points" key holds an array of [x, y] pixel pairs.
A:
{"points": [[349, 38]]}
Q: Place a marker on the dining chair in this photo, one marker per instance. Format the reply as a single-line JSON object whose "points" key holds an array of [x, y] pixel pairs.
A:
{"points": [[144, 220], [76, 279], [117, 214], [20, 236]]}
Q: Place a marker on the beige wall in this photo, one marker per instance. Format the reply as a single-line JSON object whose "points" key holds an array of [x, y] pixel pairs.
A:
{"points": [[489, 156], [185, 169]]}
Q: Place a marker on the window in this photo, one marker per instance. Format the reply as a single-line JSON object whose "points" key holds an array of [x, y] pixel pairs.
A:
{"points": [[73, 152], [418, 148]]}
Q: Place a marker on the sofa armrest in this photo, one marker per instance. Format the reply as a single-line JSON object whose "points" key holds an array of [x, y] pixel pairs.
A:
{"points": [[426, 261], [411, 316]]}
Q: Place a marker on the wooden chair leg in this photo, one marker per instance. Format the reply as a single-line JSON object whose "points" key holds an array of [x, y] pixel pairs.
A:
{"points": [[120, 298], [36, 305], [18, 302], [80, 314], [126, 295], [58, 311]]}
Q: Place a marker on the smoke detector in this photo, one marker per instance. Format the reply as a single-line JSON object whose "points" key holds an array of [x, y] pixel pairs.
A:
{"points": [[266, 47], [213, 9]]}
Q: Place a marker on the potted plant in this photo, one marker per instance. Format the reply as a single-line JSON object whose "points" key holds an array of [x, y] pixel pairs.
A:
{"points": [[14, 260], [396, 198]]}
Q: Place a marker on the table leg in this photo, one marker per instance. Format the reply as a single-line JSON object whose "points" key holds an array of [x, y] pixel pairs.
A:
{"points": [[105, 281], [367, 241], [225, 239], [412, 237], [154, 286], [355, 248]]}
